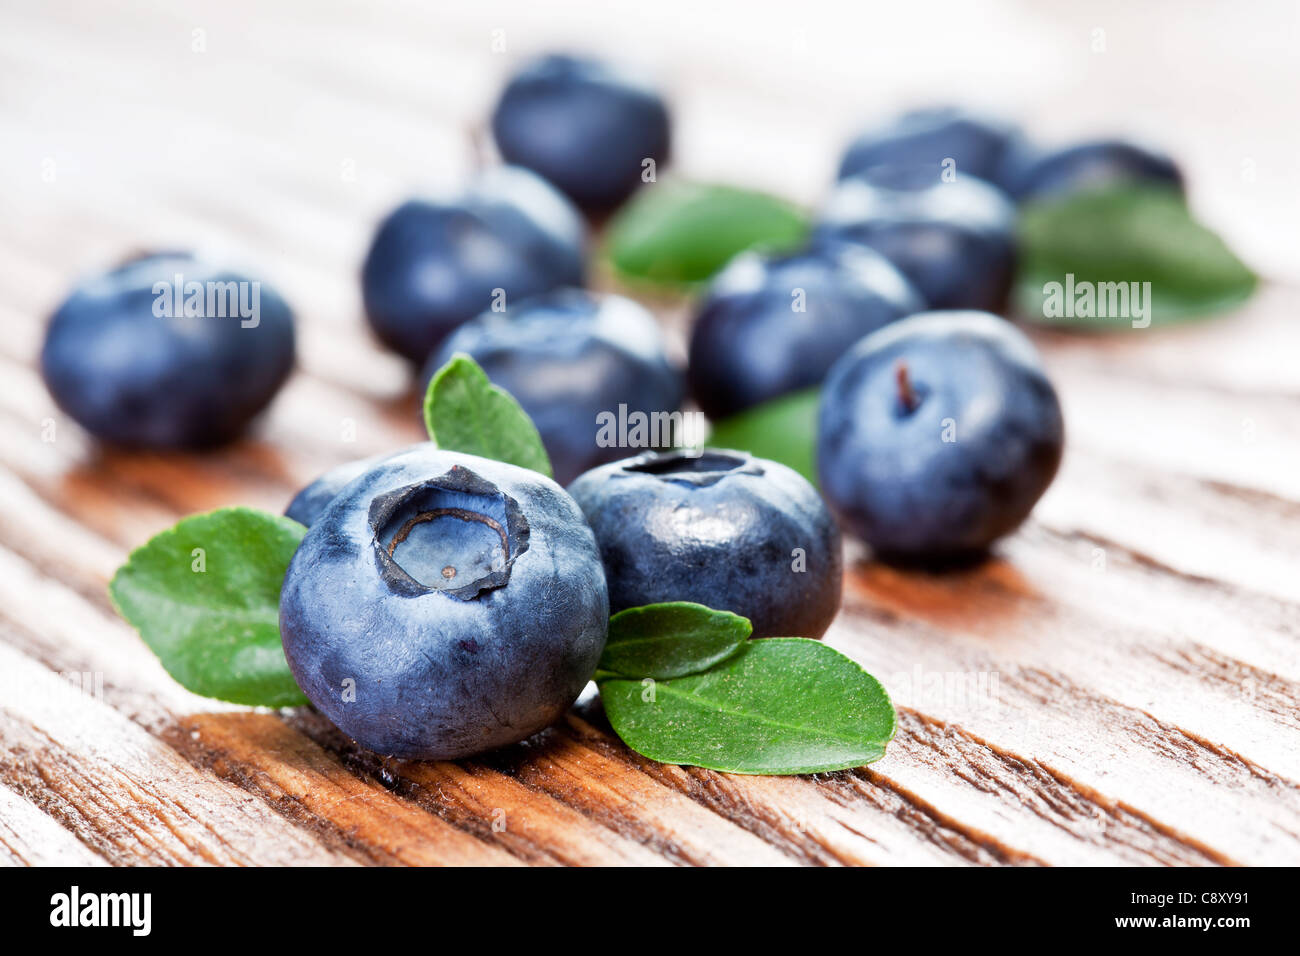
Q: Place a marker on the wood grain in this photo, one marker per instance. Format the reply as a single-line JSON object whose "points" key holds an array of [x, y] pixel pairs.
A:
{"points": [[1119, 685]]}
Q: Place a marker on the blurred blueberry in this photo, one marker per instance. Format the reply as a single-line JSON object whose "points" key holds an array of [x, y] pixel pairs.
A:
{"points": [[1032, 174], [168, 351], [977, 144], [937, 434], [769, 326], [433, 265], [585, 125], [955, 241], [567, 357]]}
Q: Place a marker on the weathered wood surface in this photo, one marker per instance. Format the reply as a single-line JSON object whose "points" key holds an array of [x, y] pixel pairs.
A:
{"points": [[1120, 685]]}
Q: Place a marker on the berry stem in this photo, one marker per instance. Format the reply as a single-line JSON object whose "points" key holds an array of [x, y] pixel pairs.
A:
{"points": [[906, 394]]}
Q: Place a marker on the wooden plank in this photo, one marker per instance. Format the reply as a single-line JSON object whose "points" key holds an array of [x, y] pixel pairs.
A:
{"points": [[30, 838], [121, 792]]}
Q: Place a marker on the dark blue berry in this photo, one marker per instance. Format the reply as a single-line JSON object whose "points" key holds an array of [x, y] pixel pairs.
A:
{"points": [[724, 529], [573, 361], [1086, 166], [769, 326], [976, 145], [586, 126], [937, 435], [954, 240], [443, 605], [434, 265], [168, 351]]}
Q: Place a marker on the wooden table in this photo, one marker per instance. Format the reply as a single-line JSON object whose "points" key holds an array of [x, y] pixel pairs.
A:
{"points": [[1120, 685]]}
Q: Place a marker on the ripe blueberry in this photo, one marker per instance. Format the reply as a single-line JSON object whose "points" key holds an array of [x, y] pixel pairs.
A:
{"points": [[976, 144], [433, 265], [955, 241], [584, 125], [937, 434], [443, 605], [567, 357], [737, 533], [771, 326], [168, 351], [1093, 165]]}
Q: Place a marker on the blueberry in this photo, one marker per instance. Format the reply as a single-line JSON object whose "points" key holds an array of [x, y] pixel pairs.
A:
{"points": [[584, 125], [977, 144], [955, 241], [1092, 165], [124, 359], [311, 501], [725, 529], [568, 357], [443, 605], [433, 265], [770, 326], [937, 434]]}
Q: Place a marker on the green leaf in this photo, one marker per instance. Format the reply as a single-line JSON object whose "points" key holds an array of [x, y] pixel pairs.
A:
{"points": [[781, 705], [1124, 235], [677, 232], [465, 412], [783, 429], [671, 640], [205, 596]]}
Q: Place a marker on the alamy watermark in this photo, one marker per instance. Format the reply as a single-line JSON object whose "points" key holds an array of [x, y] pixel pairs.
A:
{"points": [[211, 300], [638, 429], [133, 911], [946, 692], [64, 689], [1098, 300]]}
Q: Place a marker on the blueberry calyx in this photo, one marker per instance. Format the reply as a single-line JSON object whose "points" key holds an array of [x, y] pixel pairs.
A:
{"points": [[693, 468], [457, 534]]}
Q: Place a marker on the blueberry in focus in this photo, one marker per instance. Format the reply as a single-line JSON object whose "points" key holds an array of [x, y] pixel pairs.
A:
{"points": [[769, 326], [585, 125], [168, 351], [568, 357], [722, 528], [434, 264], [1087, 166], [937, 434], [978, 145], [955, 241], [443, 605]]}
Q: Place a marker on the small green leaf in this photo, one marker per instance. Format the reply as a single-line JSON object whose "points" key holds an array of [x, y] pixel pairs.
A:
{"points": [[783, 429], [205, 596], [679, 232], [465, 412], [671, 640], [1129, 234], [781, 705]]}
